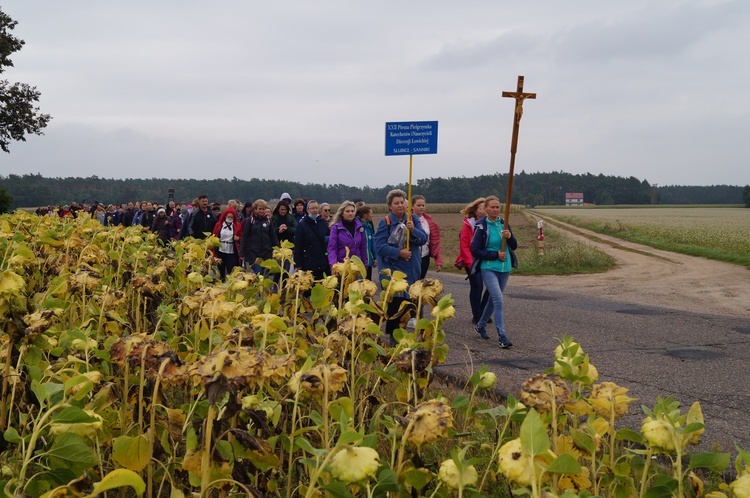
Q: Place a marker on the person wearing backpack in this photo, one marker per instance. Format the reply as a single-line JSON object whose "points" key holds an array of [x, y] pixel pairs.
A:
{"points": [[391, 251]]}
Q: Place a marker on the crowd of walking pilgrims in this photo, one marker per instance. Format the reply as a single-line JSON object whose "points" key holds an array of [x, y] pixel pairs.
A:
{"points": [[248, 233]]}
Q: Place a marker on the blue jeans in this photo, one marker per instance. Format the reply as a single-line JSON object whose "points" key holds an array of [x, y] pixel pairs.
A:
{"points": [[476, 299], [495, 283]]}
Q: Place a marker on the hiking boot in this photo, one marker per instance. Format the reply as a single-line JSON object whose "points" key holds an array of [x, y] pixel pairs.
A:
{"points": [[482, 333]]}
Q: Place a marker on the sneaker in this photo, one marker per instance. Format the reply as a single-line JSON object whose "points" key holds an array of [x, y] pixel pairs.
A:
{"points": [[504, 343], [412, 323], [475, 320], [482, 333]]}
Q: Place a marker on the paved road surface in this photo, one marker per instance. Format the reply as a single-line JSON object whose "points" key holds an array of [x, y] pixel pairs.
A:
{"points": [[653, 351]]}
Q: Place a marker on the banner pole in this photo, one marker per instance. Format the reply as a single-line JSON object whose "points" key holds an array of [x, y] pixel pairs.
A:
{"points": [[408, 202]]}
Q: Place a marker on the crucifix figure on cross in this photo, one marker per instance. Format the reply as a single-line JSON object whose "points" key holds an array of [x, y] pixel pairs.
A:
{"points": [[520, 96]]}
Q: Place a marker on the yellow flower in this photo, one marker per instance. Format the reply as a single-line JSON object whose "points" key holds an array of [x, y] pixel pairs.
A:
{"points": [[456, 479], [283, 253], [658, 433], [330, 282], [429, 421], [355, 464], [741, 486], [398, 285], [487, 380], [568, 349], [443, 313], [608, 394]]}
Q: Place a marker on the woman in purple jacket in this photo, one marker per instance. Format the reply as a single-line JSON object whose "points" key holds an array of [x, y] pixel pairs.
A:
{"points": [[347, 232]]}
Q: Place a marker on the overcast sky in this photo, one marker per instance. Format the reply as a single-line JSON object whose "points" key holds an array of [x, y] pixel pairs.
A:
{"points": [[301, 89]]}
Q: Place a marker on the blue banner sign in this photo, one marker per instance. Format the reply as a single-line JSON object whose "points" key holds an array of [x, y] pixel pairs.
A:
{"points": [[411, 137]]}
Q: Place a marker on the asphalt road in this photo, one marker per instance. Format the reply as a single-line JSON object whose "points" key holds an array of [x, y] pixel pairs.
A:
{"points": [[652, 351]]}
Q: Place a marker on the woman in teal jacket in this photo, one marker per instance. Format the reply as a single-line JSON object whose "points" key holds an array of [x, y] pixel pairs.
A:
{"points": [[494, 264]]}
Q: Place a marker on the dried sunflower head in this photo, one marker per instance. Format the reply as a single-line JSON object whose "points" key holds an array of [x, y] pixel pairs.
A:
{"points": [[336, 342], [429, 289], [87, 279], [608, 395], [576, 482], [356, 324], [315, 380], [303, 280], [420, 359], [283, 254], [365, 288], [40, 320], [539, 391], [430, 421]]}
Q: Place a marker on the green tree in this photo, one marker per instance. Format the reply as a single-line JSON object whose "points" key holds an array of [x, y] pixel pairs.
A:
{"points": [[6, 201], [746, 195], [18, 114]]}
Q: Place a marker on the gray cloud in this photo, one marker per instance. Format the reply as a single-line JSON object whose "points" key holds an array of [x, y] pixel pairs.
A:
{"points": [[301, 90]]}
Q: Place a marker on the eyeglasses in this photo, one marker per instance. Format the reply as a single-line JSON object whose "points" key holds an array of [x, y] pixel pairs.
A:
{"points": [[326, 210]]}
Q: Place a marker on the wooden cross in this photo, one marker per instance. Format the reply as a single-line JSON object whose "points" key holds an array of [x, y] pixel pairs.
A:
{"points": [[520, 96]]}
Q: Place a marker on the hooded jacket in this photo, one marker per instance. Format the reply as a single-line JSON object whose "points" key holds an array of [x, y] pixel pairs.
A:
{"points": [[287, 219]]}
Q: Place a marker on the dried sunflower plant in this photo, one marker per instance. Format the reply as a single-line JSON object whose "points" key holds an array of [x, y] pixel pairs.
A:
{"points": [[128, 367]]}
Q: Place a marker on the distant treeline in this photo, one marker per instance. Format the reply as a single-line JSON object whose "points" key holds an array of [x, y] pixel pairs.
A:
{"points": [[528, 189]]}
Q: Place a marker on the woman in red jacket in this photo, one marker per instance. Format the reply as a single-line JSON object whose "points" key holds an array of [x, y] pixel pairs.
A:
{"points": [[228, 232], [432, 248], [472, 213]]}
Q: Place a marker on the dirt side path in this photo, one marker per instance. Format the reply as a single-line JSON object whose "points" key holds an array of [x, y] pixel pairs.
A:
{"points": [[651, 277]]}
